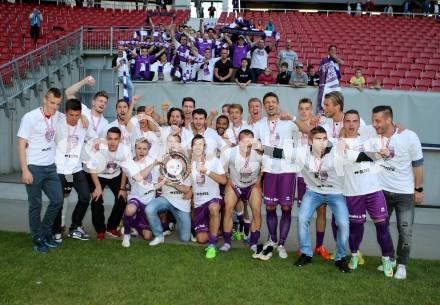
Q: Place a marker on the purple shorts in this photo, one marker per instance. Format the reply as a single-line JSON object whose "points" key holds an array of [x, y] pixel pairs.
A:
{"points": [[374, 203], [279, 188], [243, 193], [301, 189], [140, 221], [201, 216]]}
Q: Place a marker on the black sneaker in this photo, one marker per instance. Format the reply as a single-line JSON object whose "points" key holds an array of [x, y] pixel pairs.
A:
{"points": [[303, 260], [342, 265], [79, 233]]}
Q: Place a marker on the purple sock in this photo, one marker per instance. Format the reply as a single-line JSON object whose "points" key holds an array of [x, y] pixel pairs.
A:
{"points": [[384, 238], [128, 224], [255, 236], [334, 228], [272, 224], [319, 238], [227, 237], [286, 219], [212, 239], [355, 238]]}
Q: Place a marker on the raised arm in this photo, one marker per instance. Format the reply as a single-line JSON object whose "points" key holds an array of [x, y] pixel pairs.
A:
{"points": [[72, 90]]}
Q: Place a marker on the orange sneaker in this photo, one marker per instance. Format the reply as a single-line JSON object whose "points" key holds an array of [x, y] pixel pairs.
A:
{"points": [[322, 252], [298, 253]]}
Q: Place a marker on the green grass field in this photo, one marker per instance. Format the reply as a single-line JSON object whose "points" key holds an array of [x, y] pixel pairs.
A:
{"points": [[104, 273]]}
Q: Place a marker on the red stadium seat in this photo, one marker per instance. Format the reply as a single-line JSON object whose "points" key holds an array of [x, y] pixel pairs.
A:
{"points": [[435, 83], [412, 74], [432, 68], [427, 74], [397, 73]]}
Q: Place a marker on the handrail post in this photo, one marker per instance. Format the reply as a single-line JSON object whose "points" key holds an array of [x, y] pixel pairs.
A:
{"points": [[81, 40], [111, 40]]}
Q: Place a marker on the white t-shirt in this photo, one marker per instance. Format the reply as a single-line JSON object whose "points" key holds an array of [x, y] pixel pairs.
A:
{"points": [[151, 137], [320, 176], [108, 164], [124, 67], [98, 127], [259, 58], [205, 188], [397, 172], [165, 75], [233, 132], [40, 135], [125, 134], [362, 178], [69, 144], [279, 134], [175, 197], [332, 128], [185, 134], [213, 141], [206, 73], [144, 191], [242, 172]]}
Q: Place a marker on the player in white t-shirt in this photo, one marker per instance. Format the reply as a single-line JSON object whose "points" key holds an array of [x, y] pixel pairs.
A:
{"points": [[279, 174], [105, 168], [305, 114], [36, 152], [141, 193], [401, 179], [122, 122], [206, 175], [175, 120], [363, 193], [236, 118], [175, 198], [244, 166], [214, 142], [98, 125], [144, 131], [70, 136]]}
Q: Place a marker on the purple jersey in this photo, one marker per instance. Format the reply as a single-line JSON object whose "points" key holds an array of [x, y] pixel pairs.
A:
{"points": [[142, 69], [202, 45], [182, 52], [238, 53]]}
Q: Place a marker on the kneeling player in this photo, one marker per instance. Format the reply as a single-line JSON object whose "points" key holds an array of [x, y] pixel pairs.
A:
{"points": [[141, 193], [206, 176], [244, 165]]}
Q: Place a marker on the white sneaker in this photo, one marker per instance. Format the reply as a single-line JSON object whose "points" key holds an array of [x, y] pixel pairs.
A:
{"points": [[157, 240], [282, 253], [58, 238], [193, 238], [269, 243], [401, 272], [126, 240], [393, 264], [225, 247], [167, 233]]}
